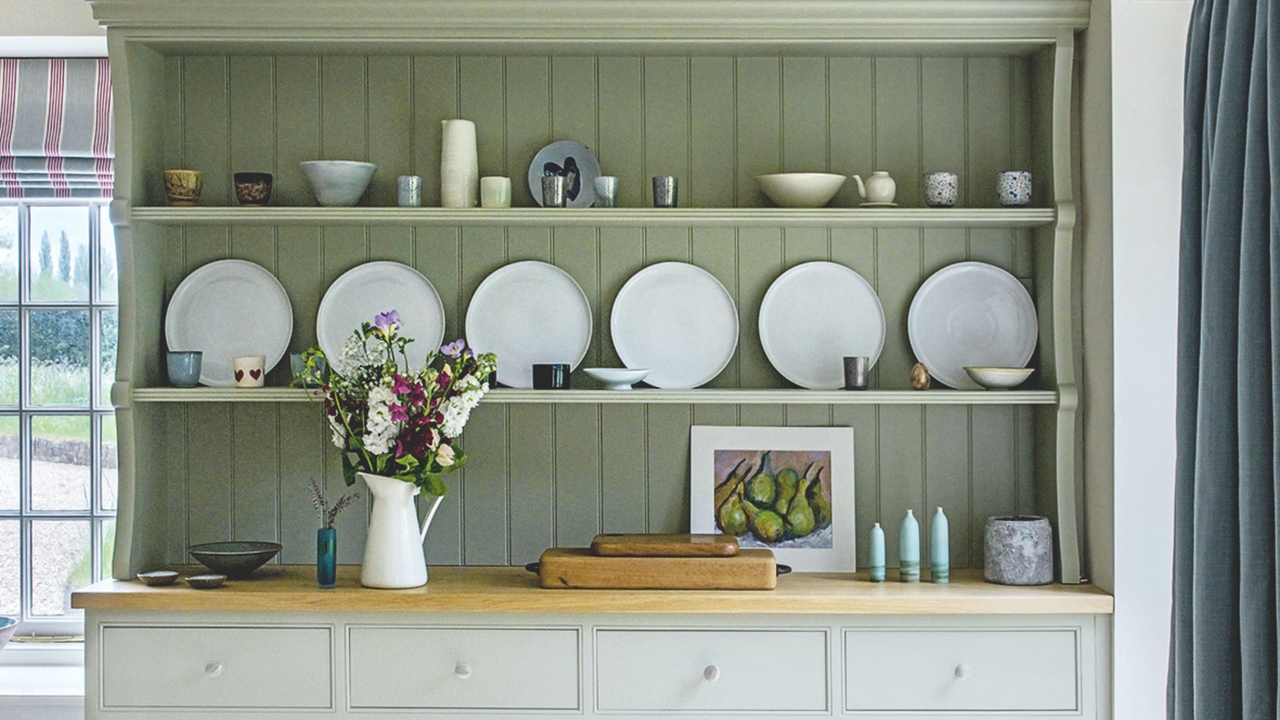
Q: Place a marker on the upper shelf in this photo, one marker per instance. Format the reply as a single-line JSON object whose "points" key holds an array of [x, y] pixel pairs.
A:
{"points": [[648, 396], [517, 26], [611, 217]]}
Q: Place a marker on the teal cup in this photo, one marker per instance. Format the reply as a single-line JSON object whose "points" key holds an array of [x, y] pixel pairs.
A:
{"points": [[184, 367]]}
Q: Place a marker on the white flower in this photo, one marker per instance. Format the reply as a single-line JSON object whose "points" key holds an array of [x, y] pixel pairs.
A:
{"points": [[380, 430], [339, 433], [444, 456], [456, 413]]}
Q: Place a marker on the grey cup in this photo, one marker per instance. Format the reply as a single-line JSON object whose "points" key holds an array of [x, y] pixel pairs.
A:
{"points": [[606, 187], [664, 191], [184, 367], [409, 191], [1018, 550], [855, 372], [555, 191]]}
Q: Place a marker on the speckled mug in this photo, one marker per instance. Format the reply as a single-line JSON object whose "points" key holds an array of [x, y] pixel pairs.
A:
{"points": [[1013, 188], [940, 189]]}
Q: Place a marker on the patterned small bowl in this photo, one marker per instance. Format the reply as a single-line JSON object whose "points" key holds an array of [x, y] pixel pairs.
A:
{"points": [[182, 187], [253, 188], [1013, 188]]}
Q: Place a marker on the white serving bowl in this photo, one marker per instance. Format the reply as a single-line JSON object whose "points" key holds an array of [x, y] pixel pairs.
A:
{"points": [[800, 190], [617, 378], [338, 183], [999, 378]]}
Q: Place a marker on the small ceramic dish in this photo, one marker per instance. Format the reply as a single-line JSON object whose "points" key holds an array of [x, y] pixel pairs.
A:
{"points": [[206, 582], [800, 190], [157, 578], [999, 378], [617, 378]]}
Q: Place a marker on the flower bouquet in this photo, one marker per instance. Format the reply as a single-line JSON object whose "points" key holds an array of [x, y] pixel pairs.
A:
{"points": [[392, 420]]}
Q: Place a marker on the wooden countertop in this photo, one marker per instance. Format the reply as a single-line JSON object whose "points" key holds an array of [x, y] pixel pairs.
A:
{"points": [[508, 589]]}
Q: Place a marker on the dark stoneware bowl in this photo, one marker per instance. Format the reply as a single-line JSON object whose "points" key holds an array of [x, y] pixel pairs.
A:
{"points": [[237, 559]]}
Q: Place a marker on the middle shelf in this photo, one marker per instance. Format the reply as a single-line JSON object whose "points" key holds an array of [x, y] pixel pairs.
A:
{"points": [[650, 397]]}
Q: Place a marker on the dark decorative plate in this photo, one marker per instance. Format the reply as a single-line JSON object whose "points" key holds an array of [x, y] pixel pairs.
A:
{"points": [[574, 161], [237, 559]]}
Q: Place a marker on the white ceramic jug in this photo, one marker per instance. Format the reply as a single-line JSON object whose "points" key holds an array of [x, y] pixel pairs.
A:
{"points": [[879, 188], [393, 556]]}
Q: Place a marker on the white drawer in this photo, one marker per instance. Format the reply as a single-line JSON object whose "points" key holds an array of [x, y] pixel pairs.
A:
{"points": [[217, 667], [399, 667], [740, 671], [964, 670]]}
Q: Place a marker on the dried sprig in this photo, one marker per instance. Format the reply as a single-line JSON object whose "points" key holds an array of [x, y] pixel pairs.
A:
{"points": [[329, 515]]}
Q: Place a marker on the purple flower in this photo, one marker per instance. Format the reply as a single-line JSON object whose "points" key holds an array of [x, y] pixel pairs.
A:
{"points": [[387, 322], [455, 348]]}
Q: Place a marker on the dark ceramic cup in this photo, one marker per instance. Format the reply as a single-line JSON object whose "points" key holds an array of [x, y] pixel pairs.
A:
{"points": [[551, 376], [253, 188]]}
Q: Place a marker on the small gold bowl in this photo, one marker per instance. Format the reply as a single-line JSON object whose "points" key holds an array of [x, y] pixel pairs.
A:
{"points": [[182, 187]]}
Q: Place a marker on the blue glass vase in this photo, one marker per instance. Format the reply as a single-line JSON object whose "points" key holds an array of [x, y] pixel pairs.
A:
{"points": [[326, 557]]}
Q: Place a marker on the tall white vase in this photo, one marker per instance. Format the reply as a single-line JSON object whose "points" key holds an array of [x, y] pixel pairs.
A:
{"points": [[393, 556], [459, 164]]}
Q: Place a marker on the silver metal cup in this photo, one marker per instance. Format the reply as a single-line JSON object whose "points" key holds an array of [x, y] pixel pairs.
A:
{"points": [[555, 191], [855, 372], [664, 191], [409, 191], [606, 187]]}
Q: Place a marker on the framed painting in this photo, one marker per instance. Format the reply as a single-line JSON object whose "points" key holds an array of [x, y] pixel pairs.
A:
{"points": [[789, 489]]}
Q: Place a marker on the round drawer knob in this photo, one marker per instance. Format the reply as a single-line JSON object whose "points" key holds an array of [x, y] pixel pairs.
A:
{"points": [[711, 674], [462, 670], [963, 671], [213, 669]]}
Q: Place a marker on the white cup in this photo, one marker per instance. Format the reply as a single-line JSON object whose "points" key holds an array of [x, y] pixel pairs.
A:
{"points": [[495, 192], [249, 370]]}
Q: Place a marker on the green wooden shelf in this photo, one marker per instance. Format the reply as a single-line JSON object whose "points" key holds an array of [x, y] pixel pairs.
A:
{"points": [[647, 396], [613, 217]]}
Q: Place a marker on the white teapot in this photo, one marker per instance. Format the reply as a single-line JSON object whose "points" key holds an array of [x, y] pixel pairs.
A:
{"points": [[879, 188]]}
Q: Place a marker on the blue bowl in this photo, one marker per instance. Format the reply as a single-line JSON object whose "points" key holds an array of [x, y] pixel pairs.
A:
{"points": [[7, 626]]}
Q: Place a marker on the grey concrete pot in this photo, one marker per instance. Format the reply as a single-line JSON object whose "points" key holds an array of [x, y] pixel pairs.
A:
{"points": [[1018, 550]]}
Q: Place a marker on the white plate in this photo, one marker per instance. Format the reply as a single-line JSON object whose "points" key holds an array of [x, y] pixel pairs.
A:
{"points": [[677, 320], [971, 313], [813, 316], [529, 312], [227, 309], [571, 159], [378, 287]]}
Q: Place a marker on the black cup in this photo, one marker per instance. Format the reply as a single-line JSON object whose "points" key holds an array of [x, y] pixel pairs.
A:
{"points": [[551, 376]]}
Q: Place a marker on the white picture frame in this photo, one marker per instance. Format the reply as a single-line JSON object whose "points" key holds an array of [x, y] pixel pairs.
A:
{"points": [[722, 453]]}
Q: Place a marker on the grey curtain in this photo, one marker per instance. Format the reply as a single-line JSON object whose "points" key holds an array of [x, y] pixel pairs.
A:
{"points": [[55, 128], [1223, 655]]}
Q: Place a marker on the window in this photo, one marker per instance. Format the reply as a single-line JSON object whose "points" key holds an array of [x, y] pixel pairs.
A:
{"points": [[58, 327]]}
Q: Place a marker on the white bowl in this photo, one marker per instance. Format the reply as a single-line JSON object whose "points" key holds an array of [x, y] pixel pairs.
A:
{"points": [[998, 378], [800, 190], [338, 183], [617, 378]]}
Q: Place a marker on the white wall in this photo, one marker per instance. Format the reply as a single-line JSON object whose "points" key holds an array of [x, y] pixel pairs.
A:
{"points": [[1148, 43], [49, 28]]}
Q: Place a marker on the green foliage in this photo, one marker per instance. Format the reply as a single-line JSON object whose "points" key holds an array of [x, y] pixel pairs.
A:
{"points": [[64, 258], [46, 255]]}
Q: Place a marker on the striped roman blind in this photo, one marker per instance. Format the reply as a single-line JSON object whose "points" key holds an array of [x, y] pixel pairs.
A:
{"points": [[55, 128]]}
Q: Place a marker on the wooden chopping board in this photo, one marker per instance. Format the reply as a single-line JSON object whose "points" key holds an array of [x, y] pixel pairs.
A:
{"points": [[750, 569], [665, 545]]}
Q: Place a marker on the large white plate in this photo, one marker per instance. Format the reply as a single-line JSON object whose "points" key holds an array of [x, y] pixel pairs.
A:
{"points": [[529, 312], [573, 160], [227, 309], [378, 287], [971, 313], [677, 320], [813, 316]]}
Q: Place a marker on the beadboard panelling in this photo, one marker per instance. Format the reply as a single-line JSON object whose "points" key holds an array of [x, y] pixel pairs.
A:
{"points": [[714, 122]]}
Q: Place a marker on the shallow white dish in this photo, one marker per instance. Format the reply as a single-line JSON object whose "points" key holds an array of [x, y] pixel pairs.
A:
{"points": [[879, 204], [529, 312], [999, 378], [802, 189], [617, 378], [573, 160], [971, 314], [677, 320], [378, 287], [813, 316], [227, 309], [338, 183]]}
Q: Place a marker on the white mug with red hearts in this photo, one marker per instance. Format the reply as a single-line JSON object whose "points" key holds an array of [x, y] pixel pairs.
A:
{"points": [[249, 370]]}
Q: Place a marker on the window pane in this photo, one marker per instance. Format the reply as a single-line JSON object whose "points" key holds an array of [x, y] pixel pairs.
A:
{"points": [[60, 472], [107, 551], [61, 561], [110, 462], [59, 254], [9, 253], [10, 461], [10, 368], [108, 341], [106, 257], [59, 357], [10, 562]]}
